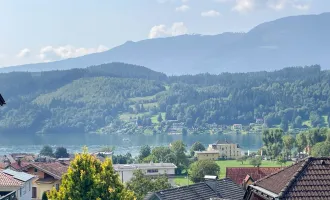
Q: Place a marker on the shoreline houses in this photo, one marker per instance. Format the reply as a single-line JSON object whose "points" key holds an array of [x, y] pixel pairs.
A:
{"points": [[126, 171], [15, 185], [220, 150]]}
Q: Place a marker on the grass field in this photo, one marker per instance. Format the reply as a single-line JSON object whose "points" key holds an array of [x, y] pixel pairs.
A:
{"points": [[154, 118], [182, 180]]}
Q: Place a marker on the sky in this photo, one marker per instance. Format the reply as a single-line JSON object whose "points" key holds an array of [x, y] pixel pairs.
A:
{"points": [[34, 31]]}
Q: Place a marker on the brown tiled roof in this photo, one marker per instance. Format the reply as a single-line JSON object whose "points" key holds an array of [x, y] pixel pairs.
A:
{"points": [[54, 169], [17, 167], [238, 174], [9, 181], [306, 179]]}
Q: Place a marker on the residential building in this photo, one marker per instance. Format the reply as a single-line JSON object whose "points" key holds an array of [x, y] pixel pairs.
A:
{"points": [[150, 169], [237, 127], [15, 185], [226, 149], [48, 175], [306, 179], [238, 174], [207, 155], [210, 189], [259, 121]]}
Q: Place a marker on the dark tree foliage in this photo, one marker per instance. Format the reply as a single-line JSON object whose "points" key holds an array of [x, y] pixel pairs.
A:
{"points": [[122, 159], [47, 151], [61, 152]]}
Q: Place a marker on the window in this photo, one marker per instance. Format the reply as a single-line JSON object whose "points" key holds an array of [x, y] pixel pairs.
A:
{"points": [[29, 185], [35, 170], [57, 186], [34, 192], [152, 170], [20, 192]]}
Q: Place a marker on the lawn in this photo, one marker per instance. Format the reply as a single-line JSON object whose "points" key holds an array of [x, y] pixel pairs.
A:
{"points": [[154, 118], [182, 180]]}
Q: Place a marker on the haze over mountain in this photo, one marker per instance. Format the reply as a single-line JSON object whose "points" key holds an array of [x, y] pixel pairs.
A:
{"points": [[290, 41]]}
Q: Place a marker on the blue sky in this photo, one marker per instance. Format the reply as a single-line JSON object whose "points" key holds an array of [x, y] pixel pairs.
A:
{"points": [[42, 31]]}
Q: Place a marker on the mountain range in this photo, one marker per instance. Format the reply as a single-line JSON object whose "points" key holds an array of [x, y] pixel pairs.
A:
{"points": [[290, 41]]}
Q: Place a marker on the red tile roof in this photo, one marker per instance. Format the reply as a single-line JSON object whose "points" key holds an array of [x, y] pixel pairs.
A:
{"points": [[307, 179], [17, 167], [55, 169], [9, 181], [238, 174]]}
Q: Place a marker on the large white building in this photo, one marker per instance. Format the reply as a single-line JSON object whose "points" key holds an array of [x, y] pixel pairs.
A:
{"points": [[149, 169], [15, 184]]}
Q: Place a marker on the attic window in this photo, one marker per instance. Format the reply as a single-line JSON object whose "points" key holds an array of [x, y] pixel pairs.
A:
{"points": [[35, 170]]}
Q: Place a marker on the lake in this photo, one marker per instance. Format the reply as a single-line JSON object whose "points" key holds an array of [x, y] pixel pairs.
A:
{"points": [[74, 142]]}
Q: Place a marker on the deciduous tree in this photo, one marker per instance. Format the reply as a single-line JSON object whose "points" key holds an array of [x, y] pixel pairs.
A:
{"points": [[87, 178], [61, 152], [197, 146], [141, 184], [47, 151], [201, 168]]}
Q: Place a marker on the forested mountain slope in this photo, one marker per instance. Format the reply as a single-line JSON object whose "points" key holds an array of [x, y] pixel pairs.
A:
{"points": [[290, 41], [88, 100]]}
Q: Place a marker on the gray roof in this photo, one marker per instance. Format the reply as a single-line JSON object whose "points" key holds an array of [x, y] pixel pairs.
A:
{"points": [[223, 188], [22, 176], [144, 166]]}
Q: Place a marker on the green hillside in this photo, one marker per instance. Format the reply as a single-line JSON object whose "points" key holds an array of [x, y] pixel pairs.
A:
{"points": [[117, 96]]}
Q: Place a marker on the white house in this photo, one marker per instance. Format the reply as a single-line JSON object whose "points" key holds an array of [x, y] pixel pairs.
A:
{"points": [[149, 169], [18, 184]]}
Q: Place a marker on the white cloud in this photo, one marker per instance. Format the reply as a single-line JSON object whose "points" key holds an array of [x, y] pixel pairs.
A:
{"points": [[177, 28], [244, 5], [24, 53], [210, 13], [182, 8], [50, 53], [158, 31], [301, 6]]}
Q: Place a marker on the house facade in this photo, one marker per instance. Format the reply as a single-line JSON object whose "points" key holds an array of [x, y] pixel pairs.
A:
{"points": [[15, 185], [226, 149], [150, 169], [207, 155], [48, 176]]}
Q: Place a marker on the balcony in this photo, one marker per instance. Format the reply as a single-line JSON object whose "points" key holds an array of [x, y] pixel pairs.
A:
{"points": [[9, 196]]}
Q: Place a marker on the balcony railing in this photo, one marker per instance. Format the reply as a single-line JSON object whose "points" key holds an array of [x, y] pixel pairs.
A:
{"points": [[10, 196]]}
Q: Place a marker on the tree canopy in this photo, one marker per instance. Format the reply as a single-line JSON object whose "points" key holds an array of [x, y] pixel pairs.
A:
{"points": [[87, 178], [141, 184], [200, 168], [47, 151], [197, 146]]}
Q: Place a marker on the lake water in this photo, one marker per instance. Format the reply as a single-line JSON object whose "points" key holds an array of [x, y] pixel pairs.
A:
{"points": [[75, 142]]}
